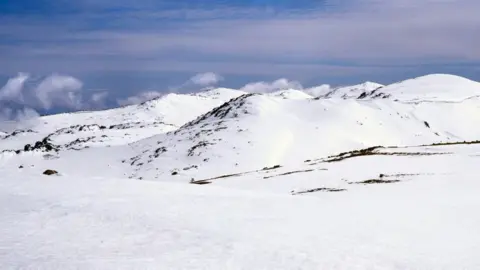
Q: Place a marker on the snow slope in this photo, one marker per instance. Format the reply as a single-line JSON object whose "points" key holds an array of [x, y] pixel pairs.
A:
{"points": [[425, 221], [287, 131], [120, 125], [435, 87], [291, 94]]}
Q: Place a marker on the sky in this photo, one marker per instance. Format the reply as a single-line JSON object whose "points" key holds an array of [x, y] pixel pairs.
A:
{"points": [[58, 55]]}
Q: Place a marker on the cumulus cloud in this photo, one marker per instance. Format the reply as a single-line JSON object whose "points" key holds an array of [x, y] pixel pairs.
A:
{"points": [[277, 85], [12, 91], [137, 99], [206, 79], [318, 90], [98, 100], [21, 97], [203, 80], [59, 90]]}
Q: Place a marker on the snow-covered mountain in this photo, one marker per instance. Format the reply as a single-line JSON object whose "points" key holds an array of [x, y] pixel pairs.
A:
{"points": [[216, 131], [121, 125], [224, 163], [353, 91]]}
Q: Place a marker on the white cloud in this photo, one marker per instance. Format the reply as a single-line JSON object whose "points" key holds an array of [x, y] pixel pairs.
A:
{"points": [[98, 99], [22, 96], [11, 114], [206, 79], [318, 90], [59, 90], [266, 87], [12, 91], [137, 99]]}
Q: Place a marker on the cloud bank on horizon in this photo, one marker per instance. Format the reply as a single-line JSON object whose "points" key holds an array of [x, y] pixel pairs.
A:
{"points": [[23, 95], [245, 41]]}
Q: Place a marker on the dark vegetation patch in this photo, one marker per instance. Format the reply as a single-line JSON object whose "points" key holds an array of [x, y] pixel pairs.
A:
{"points": [[134, 160], [376, 181], [318, 190], [288, 173], [453, 143], [19, 131], [355, 153], [398, 175], [190, 167], [201, 144], [10, 151], [200, 182], [50, 157], [43, 145], [224, 176], [371, 151], [138, 124], [271, 168], [71, 144], [221, 112], [158, 152], [373, 94]]}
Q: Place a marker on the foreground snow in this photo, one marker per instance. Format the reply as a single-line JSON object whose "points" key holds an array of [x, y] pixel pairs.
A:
{"points": [[116, 224], [427, 220]]}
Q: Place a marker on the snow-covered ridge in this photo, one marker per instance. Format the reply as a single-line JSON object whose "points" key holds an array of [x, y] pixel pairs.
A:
{"points": [[120, 125], [284, 131], [291, 94], [435, 87], [371, 112], [354, 91], [324, 172]]}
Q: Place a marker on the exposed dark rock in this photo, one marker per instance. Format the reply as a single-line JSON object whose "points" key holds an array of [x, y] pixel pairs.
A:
{"points": [[50, 172], [27, 147]]}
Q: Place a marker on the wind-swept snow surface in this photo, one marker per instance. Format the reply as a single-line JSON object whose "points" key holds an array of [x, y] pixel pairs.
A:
{"points": [[426, 220], [364, 177]]}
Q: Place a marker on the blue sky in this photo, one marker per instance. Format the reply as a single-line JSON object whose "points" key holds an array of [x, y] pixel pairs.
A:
{"points": [[126, 47]]}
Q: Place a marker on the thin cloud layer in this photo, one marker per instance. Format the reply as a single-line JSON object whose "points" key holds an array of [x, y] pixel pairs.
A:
{"points": [[335, 37], [267, 87], [140, 98], [202, 80], [206, 79], [16, 114]]}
